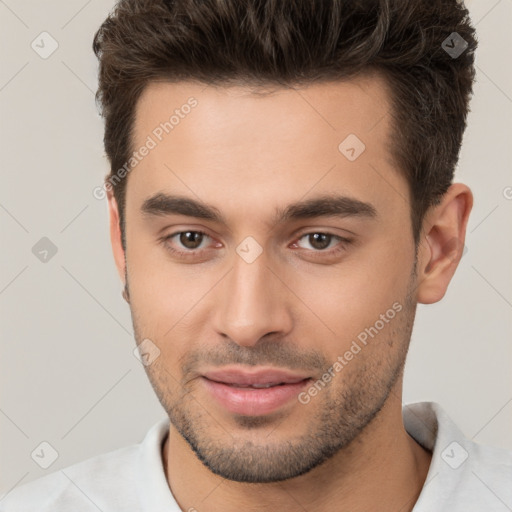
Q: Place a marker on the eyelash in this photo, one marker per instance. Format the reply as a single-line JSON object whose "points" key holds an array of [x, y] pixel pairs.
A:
{"points": [[192, 253]]}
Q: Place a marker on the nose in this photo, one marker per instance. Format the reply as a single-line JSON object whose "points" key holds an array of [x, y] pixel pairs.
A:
{"points": [[252, 302]]}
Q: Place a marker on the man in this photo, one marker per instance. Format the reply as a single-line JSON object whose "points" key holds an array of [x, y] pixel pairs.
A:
{"points": [[280, 200]]}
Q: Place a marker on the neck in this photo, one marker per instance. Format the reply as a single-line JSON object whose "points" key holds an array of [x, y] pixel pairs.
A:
{"points": [[383, 468]]}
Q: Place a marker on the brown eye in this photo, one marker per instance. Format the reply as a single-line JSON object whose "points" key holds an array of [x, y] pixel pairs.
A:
{"points": [[191, 239], [319, 240], [320, 244], [191, 246]]}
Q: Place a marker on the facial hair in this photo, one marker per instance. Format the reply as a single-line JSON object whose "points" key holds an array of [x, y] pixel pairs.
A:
{"points": [[342, 411]]}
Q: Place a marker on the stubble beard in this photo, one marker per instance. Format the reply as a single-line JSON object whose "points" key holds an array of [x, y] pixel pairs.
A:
{"points": [[339, 414]]}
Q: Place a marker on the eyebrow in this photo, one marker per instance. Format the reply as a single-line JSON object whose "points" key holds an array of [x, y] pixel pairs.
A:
{"points": [[162, 204]]}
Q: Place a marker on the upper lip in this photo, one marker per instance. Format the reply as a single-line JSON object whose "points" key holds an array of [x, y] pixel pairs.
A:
{"points": [[260, 376]]}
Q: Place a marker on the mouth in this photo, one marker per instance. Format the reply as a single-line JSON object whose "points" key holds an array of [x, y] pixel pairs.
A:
{"points": [[258, 386], [255, 393]]}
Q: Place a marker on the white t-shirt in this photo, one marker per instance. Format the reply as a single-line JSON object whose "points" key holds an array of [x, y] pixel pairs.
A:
{"points": [[463, 476]]}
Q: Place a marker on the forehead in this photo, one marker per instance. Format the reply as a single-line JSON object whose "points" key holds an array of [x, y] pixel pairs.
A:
{"points": [[237, 147], [235, 112]]}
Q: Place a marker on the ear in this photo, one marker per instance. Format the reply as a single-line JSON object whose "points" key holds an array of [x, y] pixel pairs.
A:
{"points": [[115, 236], [442, 243]]}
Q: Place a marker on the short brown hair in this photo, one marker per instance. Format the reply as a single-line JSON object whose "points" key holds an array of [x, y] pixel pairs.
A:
{"points": [[290, 43]]}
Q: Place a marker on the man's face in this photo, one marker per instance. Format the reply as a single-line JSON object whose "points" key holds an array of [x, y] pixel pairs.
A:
{"points": [[259, 291]]}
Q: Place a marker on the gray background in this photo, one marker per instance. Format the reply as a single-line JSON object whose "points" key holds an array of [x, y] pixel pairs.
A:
{"points": [[68, 375]]}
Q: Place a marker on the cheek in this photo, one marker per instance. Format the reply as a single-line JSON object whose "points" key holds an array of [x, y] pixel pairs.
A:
{"points": [[166, 297], [344, 300]]}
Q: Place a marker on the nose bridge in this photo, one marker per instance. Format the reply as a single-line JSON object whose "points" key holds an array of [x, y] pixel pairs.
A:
{"points": [[251, 303]]}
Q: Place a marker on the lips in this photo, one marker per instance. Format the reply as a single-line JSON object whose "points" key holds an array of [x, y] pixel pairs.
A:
{"points": [[253, 393], [263, 378]]}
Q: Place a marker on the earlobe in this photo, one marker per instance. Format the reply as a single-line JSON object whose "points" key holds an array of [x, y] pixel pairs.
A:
{"points": [[115, 236], [442, 243]]}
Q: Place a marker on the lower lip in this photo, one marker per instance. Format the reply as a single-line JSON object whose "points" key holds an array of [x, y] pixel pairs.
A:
{"points": [[253, 401]]}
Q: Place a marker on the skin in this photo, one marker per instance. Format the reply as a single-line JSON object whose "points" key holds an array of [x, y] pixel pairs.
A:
{"points": [[295, 306]]}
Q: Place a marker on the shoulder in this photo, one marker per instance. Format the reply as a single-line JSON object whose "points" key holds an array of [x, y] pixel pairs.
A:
{"points": [[474, 477], [81, 487], [117, 480], [492, 467], [463, 474]]}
